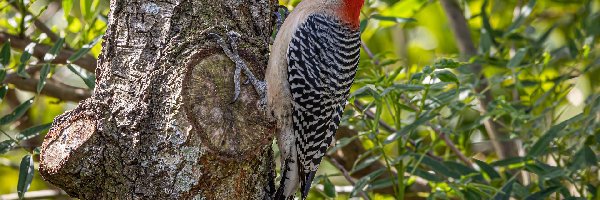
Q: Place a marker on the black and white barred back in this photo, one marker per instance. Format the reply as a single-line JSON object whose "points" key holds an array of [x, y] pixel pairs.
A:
{"points": [[323, 56]]}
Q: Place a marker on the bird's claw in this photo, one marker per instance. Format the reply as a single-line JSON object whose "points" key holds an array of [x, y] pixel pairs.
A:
{"points": [[231, 51]]}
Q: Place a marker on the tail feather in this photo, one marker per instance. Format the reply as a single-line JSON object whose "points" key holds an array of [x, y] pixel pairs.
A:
{"points": [[289, 179], [306, 183]]}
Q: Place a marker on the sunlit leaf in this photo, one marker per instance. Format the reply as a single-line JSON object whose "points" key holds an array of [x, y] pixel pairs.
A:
{"points": [[32, 131], [489, 170], [436, 166], [3, 91], [67, 5], [25, 175], [17, 112], [51, 54], [446, 63], [446, 76], [525, 12], [6, 146], [508, 161], [518, 58], [406, 129], [43, 75], [84, 50], [365, 163], [89, 80], [366, 91]]}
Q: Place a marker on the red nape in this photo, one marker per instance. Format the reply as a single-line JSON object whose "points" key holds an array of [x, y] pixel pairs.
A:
{"points": [[351, 11]]}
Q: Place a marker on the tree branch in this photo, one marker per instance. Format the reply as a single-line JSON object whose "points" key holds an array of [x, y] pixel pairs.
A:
{"points": [[462, 33], [347, 156], [347, 176], [39, 51], [53, 89]]}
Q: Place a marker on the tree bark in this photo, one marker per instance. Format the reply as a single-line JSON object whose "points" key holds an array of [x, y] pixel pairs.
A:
{"points": [[160, 123]]}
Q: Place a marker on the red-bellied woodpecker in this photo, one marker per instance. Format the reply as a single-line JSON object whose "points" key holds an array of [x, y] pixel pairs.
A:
{"points": [[311, 68], [312, 65]]}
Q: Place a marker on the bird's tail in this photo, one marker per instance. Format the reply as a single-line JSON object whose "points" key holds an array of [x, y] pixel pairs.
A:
{"points": [[289, 178], [305, 185]]}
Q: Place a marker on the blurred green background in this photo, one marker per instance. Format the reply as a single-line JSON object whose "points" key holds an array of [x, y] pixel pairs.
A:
{"points": [[525, 127]]}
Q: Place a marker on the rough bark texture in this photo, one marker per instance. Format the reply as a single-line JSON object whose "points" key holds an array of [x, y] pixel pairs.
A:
{"points": [[160, 123]]}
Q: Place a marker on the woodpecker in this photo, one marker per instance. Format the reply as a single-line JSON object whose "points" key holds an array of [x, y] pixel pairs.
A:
{"points": [[311, 67]]}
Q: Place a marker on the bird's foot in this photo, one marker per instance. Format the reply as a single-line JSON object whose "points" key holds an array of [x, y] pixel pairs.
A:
{"points": [[231, 50]]}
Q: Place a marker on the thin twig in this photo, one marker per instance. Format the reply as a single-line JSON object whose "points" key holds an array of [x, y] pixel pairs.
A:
{"points": [[41, 194], [451, 145], [447, 140], [54, 89], [40, 25], [347, 176]]}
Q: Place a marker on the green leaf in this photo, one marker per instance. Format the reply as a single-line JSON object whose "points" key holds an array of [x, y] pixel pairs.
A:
{"points": [[363, 181], [21, 71], [43, 75], [329, 188], [544, 193], [5, 54], [406, 129], [84, 50], [51, 54], [67, 5], [37, 151], [392, 19], [408, 87], [3, 91], [487, 32], [363, 25], [2, 75], [446, 76], [437, 166], [542, 144], [25, 175], [6, 146], [88, 79], [446, 63], [366, 91], [365, 163], [18, 112], [518, 58], [32, 131], [424, 174], [85, 7], [504, 193], [340, 144], [525, 12], [489, 170], [508, 161], [585, 157]]}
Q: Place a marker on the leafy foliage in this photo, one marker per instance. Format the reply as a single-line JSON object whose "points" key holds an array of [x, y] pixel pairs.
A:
{"points": [[418, 106]]}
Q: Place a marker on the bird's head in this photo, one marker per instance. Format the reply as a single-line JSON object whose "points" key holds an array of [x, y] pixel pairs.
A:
{"points": [[350, 11]]}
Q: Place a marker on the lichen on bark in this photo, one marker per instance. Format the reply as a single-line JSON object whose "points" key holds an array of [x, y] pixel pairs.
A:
{"points": [[161, 123]]}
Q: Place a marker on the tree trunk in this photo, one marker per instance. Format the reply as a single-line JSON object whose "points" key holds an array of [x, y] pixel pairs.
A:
{"points": [[160, 123]]}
